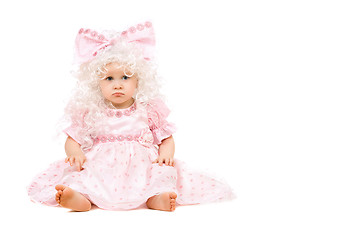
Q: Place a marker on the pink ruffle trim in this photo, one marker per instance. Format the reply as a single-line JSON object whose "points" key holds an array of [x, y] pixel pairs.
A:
{"points": [[71, 132], [157, 114], [163, 132]]}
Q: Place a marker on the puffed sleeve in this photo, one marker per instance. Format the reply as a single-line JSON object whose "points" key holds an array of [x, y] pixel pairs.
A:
{"points": [[72, 131], [75, 127], [157, 113]]}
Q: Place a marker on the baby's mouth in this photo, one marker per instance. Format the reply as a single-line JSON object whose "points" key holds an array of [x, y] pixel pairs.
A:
{"points": [[118, 94]]}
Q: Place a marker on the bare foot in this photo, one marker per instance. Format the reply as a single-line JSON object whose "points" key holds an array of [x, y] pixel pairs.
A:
{"points": [[164, 201], [69, 198]]}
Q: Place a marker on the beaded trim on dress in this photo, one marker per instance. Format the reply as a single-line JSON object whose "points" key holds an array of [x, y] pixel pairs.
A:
{"points": [[122, 112]]}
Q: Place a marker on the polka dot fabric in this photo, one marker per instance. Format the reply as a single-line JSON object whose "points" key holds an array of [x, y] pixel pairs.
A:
{"points": [[119, 173]]}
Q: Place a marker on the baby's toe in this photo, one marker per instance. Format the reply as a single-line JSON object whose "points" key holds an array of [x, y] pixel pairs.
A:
{"points": [[58, 196], [172, 206], [60, 187], [173, 196]]}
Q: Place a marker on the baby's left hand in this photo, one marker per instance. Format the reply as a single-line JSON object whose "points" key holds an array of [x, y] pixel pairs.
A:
{"points": [[169, 161]]}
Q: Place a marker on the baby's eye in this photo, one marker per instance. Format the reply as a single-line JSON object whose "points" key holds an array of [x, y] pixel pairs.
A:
{"points": [[109, 78], [125, 77]]}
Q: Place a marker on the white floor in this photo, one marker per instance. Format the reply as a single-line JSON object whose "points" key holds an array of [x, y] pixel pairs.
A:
{"points": [[212, 221], [242, 218]]}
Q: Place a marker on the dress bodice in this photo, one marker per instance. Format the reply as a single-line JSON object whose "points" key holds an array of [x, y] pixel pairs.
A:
{"points": [[126, 125]]}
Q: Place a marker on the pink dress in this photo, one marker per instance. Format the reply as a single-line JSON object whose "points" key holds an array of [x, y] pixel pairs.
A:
{"points": [[119, 173]]}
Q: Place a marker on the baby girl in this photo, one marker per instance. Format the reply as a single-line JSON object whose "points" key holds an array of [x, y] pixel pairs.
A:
{"points": [[119, 147]]}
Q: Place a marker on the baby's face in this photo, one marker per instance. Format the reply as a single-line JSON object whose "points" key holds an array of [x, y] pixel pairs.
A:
{"points": [[118, 85]]}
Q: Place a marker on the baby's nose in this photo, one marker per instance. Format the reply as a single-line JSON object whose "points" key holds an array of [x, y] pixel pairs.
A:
{"points": [[118, 84]]}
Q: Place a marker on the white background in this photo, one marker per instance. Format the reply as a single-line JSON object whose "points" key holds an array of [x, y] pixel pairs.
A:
{"points": [[265, 95]]}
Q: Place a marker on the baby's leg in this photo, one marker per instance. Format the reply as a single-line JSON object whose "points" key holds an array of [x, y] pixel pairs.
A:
{"points": [[69, 198], [164, 201]]}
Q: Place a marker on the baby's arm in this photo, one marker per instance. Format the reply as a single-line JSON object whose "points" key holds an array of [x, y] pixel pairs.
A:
{"points": [[166, 152], [74, 153]]}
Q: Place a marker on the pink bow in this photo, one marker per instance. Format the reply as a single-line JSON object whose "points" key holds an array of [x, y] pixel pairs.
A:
{"points": [[88, 42]]}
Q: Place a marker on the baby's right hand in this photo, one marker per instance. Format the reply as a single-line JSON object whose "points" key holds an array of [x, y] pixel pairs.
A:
{"points": [[77, 160]]}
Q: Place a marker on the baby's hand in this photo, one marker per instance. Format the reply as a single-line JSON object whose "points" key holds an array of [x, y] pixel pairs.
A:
{"points": [[169, 161], [77, 160]]}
